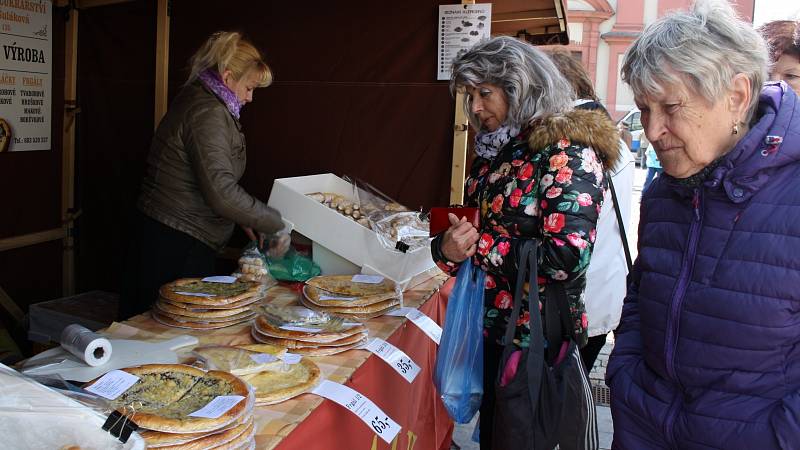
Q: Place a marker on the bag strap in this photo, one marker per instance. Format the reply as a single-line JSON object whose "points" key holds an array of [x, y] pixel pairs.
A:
{"points": [[525, 249], [620, 223], [558, 319], [527, 263]]}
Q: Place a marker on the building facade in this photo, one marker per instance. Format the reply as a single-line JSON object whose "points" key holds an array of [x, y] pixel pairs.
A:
{"points": [[601, 31]]}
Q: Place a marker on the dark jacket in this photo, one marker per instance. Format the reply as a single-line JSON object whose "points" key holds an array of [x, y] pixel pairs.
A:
{"points": [[196, 160], [707, 354], [546, 184]]}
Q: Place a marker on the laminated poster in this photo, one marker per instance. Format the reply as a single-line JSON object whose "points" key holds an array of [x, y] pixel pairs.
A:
{"points": [[460, 27], [25, 74]]}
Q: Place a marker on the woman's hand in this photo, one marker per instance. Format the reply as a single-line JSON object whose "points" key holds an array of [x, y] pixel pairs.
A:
{"points": [[279, 245], [255, 237], [460, 240]]}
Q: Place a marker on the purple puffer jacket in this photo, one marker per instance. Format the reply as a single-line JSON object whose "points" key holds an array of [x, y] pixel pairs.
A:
{"points": [[707, 354]]}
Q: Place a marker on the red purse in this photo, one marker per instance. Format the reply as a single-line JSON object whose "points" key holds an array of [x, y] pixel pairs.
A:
{"points": [[440, 221]]}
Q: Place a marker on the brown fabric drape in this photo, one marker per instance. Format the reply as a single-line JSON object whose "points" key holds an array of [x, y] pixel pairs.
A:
{"points": [[355, 93]]}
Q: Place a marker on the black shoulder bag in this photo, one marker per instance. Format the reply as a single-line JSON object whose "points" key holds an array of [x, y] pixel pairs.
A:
{"points": [[543, 405]]}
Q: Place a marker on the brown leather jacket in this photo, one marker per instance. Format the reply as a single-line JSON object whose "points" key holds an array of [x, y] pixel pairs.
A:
{"points": [[192, 178]]}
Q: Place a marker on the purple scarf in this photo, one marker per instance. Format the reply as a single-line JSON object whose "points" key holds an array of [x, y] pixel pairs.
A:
{"points": [[213, 81]]}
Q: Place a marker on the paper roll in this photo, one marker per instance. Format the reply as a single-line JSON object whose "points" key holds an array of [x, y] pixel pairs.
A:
{"points": [[89, 347]]}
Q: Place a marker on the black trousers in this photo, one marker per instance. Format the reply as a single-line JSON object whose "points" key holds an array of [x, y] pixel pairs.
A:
{"points": [[591, 350], [158, 254], [492, 353]]}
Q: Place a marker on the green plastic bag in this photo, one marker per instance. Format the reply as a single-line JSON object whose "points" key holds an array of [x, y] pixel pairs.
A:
{"points": [[293, 267]]}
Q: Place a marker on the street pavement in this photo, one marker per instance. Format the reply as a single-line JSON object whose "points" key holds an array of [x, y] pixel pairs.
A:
{"points": [[463, 433]]}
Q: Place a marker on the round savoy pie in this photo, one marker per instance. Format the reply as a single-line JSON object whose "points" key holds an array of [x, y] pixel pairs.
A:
{"points": [[199, 325], [275, 386], [229, 438], [209, 293], [321, 297], [160, 439], [201, 313], [344, 285], [228, 306], [298, 343], [166, 394], [264, 326], [319, 350]]}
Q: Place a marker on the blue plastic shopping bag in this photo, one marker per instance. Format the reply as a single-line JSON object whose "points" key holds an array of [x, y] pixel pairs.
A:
{"points": [[459, 364]]}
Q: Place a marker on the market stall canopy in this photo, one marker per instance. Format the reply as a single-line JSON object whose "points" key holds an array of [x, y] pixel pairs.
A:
{"points": [[540, 22]]}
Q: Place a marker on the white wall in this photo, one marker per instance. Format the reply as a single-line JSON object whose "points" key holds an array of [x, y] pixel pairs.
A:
{"points": [[650, 11], [601, 72], [575, 32], [624, 95], [579, 5]]}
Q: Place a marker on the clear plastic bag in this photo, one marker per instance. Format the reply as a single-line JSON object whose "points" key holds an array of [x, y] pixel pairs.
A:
{"points": [[459, 365], [58, 415], [405, 227], [392, 222], [371, 199], [253, 266], [235, 360]]}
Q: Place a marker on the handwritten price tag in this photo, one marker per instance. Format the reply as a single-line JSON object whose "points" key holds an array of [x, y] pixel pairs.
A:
{"points": [[396, 358], [361, 406], [426, 324]]}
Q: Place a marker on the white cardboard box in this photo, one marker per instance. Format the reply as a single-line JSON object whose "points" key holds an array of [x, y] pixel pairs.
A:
{"points": [[340, 245]]}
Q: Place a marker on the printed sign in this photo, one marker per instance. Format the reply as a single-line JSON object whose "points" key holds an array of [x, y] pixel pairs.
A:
{"points": [[460, 27], [25, 74]]}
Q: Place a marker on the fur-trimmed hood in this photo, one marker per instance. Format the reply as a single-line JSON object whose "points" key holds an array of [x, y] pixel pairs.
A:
{"points": [[589, 127]]}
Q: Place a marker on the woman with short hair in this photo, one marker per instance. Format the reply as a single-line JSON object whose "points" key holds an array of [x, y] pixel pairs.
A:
{"points": [[783, 42], [539, 174], [707, 354]]}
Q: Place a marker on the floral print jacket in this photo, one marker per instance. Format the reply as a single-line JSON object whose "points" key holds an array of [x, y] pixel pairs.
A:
{"points": [[546, 183]]}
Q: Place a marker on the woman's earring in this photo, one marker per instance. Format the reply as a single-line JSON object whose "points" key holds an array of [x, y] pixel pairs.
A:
{"points": [[735, 129]]}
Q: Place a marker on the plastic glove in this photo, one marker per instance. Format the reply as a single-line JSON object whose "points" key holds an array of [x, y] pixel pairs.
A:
{"points": [[279, 245]]}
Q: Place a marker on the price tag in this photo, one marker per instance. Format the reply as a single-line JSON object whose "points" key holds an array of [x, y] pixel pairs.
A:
{"points": [[217, 407], [400, 312], [328, 297], [300, 329], [426, 324], [396, 358], [361, 406], [291, 358], [195, 294], [367, 279], [264, 358], [220, 279], [113, 384]]}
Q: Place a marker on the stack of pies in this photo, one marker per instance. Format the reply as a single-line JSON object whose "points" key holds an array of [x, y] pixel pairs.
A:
{"points": [[324, 335], [203, 305], [165, 395], [340, 295], [268, 369]]}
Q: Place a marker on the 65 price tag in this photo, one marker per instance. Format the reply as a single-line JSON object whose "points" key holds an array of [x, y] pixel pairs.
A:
{"points": [[396, 358], [361, 406]]}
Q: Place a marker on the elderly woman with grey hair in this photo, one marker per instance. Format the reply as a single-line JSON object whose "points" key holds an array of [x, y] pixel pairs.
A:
{"points": [[538, 175], [707, 354]]}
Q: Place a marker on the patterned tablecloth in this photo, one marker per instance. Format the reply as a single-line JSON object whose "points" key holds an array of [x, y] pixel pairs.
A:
{"points": [[275, 422]]}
